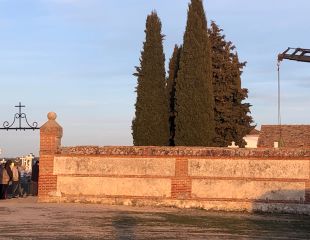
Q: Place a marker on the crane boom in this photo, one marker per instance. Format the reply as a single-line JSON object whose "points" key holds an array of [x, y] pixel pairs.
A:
{"points": [[298, 54], [295, 54]]}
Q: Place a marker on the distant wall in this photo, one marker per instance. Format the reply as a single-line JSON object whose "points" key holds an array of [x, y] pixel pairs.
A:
{"points": [[251, 141], [270, 180]]}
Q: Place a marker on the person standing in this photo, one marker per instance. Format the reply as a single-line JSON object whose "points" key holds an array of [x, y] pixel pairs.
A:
{"points": [[9, 167], [6, 178], [4, 181], [24, 181], [35, 178], [17, 191]]}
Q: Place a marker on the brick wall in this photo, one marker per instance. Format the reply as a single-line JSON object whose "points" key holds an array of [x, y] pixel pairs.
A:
{"points": [[181, 183], [210, 178]]}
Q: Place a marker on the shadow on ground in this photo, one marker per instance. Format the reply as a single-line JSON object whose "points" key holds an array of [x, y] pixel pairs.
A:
{"points": [[26, 219]]}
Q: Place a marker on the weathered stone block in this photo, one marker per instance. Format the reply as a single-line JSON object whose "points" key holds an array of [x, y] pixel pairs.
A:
{"points": [[114, 166], [294, 169], [106, 186], [242, 189]]}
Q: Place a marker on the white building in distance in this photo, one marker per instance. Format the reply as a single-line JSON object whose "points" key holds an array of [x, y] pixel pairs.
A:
{"points": [[27, 162]]}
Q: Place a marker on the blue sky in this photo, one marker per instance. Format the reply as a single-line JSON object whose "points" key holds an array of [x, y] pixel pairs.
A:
{"points": [[76, 57]]}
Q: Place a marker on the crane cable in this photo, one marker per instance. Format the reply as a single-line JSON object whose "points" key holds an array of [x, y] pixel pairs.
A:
{"points": [[279, 96], [280, 141]]}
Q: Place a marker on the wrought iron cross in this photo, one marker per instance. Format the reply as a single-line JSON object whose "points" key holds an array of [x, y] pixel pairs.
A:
{"points": [[20, 115]]}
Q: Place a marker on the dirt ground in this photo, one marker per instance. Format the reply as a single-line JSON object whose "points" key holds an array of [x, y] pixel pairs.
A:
{"points": [[27, 219]]}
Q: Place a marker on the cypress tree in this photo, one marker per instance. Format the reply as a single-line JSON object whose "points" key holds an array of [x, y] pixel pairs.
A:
{"points": [[241, 118], [231, 115], [222, 80], [171, 84], [194, 120], [150, 125]]}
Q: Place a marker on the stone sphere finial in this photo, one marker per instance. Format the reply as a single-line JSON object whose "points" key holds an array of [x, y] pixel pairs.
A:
{"points": [[51, 116]]}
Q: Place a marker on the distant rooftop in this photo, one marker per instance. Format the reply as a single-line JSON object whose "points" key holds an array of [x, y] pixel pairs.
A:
{"points": [[254, 132], [293, 136]]}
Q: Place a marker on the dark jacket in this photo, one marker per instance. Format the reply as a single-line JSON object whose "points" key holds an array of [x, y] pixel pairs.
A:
{"points": [[35, 172]]}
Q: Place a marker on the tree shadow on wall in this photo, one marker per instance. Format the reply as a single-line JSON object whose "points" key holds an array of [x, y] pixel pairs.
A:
{"points": [[124, 226], [282, 201], [285, 214]]}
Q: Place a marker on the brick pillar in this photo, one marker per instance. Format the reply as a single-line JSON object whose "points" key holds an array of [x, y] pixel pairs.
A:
{"points": [[181, 184], [50, 143]]}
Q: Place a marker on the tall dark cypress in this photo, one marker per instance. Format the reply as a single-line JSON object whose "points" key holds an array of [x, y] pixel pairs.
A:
{"points": [[231, 114], [171, 84], [222, 85], [151, 123], [241, 118], [194, 91]]}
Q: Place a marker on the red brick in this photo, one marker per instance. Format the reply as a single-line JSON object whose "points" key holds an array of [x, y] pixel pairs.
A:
{"points": [[50, 144]]}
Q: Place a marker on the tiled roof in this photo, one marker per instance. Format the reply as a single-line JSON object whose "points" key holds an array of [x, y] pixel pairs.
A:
{"points": [[293, 136], [254, 132]]}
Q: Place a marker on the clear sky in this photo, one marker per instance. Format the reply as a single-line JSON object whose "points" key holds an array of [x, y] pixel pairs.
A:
{"points": [[76, 58]]}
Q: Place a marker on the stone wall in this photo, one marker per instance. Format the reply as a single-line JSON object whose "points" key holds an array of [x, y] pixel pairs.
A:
{"points": [[272, 180]]}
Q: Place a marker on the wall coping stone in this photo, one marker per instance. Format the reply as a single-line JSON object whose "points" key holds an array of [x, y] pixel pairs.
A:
{"points": [[187, 151]]}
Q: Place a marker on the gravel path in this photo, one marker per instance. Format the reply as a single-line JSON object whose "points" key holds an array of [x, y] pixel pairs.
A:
{"points": [[27, 219]]}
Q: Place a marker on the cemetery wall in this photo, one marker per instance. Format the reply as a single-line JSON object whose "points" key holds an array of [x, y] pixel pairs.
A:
{"points": [[268, 180]]}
